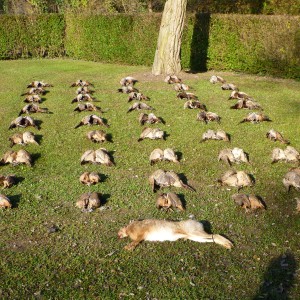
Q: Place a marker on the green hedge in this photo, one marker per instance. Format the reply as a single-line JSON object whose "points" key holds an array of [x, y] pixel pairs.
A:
{"points": [[31, 36], [248, 43], [118, 38]]}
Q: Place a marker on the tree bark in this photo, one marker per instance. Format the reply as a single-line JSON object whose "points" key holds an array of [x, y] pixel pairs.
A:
{"points": [[167, 54]]}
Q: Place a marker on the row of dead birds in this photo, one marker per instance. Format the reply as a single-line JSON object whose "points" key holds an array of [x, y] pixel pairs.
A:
{"points": [[33, 97], [89, 201]]}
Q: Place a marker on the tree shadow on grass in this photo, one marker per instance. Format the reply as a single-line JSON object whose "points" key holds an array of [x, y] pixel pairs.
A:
{"points": [[278, 279], [200, 43]]}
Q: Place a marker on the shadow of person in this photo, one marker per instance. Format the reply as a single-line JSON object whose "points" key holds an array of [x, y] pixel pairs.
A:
{"points": [[278, 279]]}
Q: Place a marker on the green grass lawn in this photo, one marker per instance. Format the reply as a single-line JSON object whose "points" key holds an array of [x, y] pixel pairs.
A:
{"points": [[84, 258]]}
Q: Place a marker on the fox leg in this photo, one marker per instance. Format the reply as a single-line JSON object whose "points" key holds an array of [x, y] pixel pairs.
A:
{"points": [[132, 245]]}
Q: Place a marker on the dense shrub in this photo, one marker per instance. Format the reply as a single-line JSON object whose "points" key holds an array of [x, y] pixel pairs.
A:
{"points": [[31, 36], [119, 38], [255, 44], [248, 43]]}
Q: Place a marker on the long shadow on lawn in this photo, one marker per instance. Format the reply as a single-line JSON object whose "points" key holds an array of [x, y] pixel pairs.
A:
{"points": [[278, 279]]}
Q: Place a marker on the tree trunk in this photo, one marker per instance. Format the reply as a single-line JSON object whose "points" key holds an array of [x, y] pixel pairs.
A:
{"points": [[167, 54]]}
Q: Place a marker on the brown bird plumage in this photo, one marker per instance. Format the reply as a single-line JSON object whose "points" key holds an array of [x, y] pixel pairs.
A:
{"points": [[292, 179], [23, 122], [169, 201], [149, 119], [32, 108], [4, 201], [24, 138], [81, 82], [194, 104], [185, 95], [237, 179], [89, 201], [99, 156], [139, 106], [256, 118], [92, 120], [38, 84], [33, 99], [215, 135], [152, 134], [208, 117], [159, 155], [16, 158], [246, 104], [137, 96], [97, 136], [248, 202], [87, 107], [274, 135], [89, 178], [7, 180], [172, 79], [161, 178]]}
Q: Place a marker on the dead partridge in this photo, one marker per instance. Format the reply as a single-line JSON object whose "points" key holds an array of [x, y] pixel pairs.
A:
{"points": [[229, 86], [84, 90], [4, 201], [99, 156], [24, 138], [33, 99], [180, 87], [194, 104], [150, 119], [172, 79], [274, 135], [239, 95], [7, 180], [127, 89], [89, 178], [128, 80], [83, 97], [290, 154], [137, 96], [169, 201], [208, 117], [139, 106], [23, 122], [33, 108], [39, 84], [246, 104], [35, 91], [185, 95], [235, 155], [81, 82], [159, 155], [215, 79], [97, 136], [92, 120], [161, 178], [152, 134], [16, 158], [256, 118], [248, 202], [292, 179], [87, 107], [237, 179], [219, 135], [89, 201]]}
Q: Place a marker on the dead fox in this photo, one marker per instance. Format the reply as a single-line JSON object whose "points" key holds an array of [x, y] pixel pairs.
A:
{"points": [[163, 230]]}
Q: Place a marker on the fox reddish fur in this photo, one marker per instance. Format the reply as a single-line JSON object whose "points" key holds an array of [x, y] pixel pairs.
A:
{"points": [[162, 230]]}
